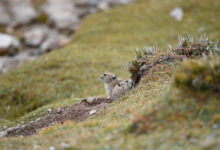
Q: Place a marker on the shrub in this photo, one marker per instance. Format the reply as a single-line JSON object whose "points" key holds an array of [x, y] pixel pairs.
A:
{"points": [[193, 49], [148, 58], [199, 75]]}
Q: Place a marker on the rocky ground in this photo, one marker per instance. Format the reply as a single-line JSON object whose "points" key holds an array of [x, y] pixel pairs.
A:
{"points": [[78, 112], [29, 28]]}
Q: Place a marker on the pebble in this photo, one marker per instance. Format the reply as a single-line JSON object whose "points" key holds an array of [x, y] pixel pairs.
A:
{"points": [[177, 14], [64, 145], [38, 119], [92, 112], [2, 133], [52, 148], [215, 126]]}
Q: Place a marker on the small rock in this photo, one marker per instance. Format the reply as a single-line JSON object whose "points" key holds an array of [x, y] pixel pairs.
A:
{"points": [[22, 11], [82, 3], [36, 35], [49, 110], [38, 119], [92, 112], [94, 2], [2, 133], [103, 6], [4, 14], [50, 43], [64, 145], [52, 148], [177, 13], [215, 126], [62, 13], [59, 110], [118, 2], [5, 127], [9, 63], [208, 140], [63, 40], [8, 44], [54, 40], [89, 99], [82, 13]]}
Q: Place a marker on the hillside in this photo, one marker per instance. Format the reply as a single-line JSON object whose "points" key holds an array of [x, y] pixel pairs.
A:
{"points": [[105, 42]]}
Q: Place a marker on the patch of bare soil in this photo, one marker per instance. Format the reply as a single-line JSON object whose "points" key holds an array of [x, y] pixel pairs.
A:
{"points": [[78, 112]]}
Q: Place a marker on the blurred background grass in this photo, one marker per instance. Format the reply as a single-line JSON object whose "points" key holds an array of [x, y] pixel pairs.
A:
{"points": [[105, 42]]}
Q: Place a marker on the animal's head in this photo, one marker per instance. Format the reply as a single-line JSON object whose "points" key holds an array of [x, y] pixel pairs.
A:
{"points": [[126, 84], [108, 77], [129, 84]]}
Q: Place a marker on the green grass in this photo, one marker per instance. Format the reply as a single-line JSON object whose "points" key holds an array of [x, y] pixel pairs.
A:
{"points": [[106, 42]]}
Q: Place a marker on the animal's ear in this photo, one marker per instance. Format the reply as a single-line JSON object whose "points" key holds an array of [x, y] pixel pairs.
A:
{"points": [[133, 84], [114, 77]]}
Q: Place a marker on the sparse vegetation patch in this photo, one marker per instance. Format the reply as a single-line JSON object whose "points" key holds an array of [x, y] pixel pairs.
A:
{"points": [[195, 88], [190, 48], [200, 76], [148, 58]]}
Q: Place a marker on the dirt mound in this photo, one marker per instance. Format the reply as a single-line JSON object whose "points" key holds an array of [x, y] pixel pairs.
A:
{"points": [[77, 112], [143, 64]]}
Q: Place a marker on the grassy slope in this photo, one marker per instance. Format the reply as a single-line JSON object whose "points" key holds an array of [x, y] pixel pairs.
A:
{"points": [[104, 42]]}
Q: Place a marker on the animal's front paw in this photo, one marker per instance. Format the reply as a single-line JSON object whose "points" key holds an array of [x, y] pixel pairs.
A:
{"points": [[109, 100]]}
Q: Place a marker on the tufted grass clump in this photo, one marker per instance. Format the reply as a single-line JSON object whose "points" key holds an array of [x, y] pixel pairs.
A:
{"points": [[200, 76], [148, 58], [193, 96], [190, 48]]}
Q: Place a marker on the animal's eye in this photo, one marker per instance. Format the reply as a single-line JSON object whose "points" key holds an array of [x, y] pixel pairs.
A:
{"points": [[119, 84], [114, 77], [104, 74], [126, 81]]}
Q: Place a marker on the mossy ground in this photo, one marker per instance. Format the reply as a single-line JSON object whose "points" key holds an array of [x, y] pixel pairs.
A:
{"points": [[106, 42]]}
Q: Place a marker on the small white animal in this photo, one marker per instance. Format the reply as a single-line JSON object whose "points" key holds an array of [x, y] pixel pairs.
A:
{"points": [[110, 81], [121, 89]]}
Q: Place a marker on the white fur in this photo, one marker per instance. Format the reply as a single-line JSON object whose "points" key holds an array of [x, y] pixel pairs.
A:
{"points": [[119, 91], [108, 89]]}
